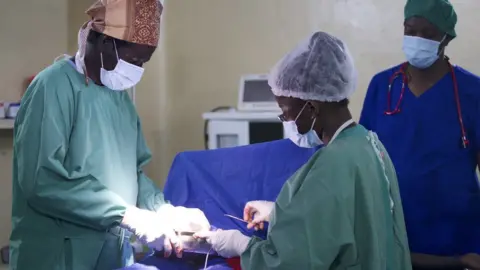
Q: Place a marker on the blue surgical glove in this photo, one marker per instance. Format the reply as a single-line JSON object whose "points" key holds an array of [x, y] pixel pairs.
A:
{"points": [[228, 244]]}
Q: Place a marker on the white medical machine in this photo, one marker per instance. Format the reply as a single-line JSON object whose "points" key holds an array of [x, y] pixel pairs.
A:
{"points": [[255, 95], [254, 121]]}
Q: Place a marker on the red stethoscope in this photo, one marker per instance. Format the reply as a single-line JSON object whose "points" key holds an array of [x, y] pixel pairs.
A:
{"points": [[401, 72]]}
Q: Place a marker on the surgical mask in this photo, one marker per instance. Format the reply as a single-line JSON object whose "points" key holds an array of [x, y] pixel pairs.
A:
{"points": [[307, 140], [420, 52], [123, 76]]}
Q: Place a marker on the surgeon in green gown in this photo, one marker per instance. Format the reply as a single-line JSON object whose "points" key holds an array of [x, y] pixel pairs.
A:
{"points": [[79, 190], [342, 209]]}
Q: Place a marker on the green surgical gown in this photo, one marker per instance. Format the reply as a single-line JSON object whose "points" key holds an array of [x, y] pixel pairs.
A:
{"points": [[78, 157], [335, 213]]}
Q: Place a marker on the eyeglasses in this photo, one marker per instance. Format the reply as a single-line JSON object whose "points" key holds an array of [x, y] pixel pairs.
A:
{"points": [[282, 117]]}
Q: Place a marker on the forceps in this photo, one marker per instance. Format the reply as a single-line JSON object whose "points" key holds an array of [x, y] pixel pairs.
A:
{"points": [[236, 218]]}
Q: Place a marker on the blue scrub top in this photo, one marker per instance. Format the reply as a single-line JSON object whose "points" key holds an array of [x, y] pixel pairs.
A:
{"points": [[437, 178]]}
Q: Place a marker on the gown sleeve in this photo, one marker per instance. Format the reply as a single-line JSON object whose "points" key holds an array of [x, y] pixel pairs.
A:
{"points": [[367, 116], [41, 146], [310, 225], [150, 197]]}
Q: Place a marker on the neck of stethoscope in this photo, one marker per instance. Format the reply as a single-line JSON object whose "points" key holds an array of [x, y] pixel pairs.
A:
{"points": [[465, 141], [402, 73]]}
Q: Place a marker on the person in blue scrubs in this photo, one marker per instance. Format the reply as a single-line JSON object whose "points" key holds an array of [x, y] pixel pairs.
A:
{"points": [[431, 129]]}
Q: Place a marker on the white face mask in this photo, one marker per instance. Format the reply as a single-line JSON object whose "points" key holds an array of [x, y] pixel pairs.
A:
{"points": [[307, 140], [123, 76], [420, 52]]}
